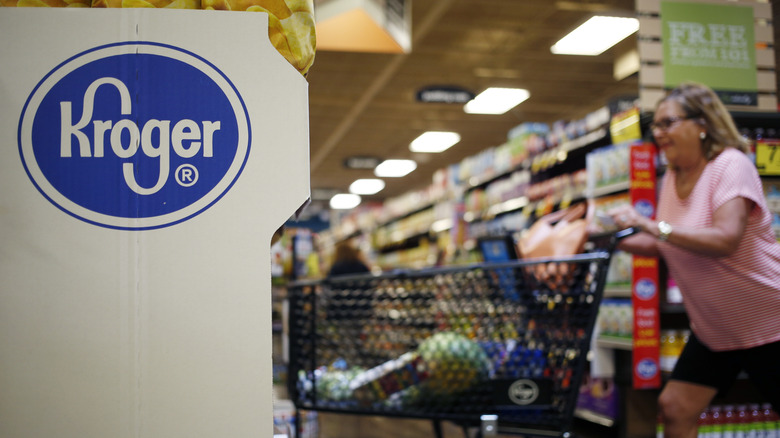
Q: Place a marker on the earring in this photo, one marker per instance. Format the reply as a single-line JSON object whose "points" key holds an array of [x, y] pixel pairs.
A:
{"points": [[702, 135]]}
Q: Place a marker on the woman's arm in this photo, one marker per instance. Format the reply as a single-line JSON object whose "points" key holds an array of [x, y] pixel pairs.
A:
{"points": [[721, 239], [642, 244]]}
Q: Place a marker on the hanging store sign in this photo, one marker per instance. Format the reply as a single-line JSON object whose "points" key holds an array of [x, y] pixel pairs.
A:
{"points": [[362, 162], [439, 94], [768, 157], [645, 284], [713, 44]]}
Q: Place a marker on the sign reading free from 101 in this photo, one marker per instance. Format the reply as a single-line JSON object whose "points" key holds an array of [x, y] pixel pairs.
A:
{"points": [[713, 44]]}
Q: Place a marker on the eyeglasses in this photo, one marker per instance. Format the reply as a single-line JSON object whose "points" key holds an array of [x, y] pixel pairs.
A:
{"points": [[664, 124]]}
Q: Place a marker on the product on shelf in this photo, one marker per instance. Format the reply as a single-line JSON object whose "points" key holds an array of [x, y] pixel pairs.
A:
{"points": [[607, 166], [672, 343], [732, 421], [616, 318]]}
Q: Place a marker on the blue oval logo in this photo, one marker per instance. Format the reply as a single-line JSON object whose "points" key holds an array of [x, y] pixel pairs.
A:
{"points": [[646, 368], [134, 135], [645, 207], [645, 289]]}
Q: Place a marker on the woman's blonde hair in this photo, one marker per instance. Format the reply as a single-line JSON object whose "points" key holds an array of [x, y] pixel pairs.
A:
{"points": [[698, 101]]}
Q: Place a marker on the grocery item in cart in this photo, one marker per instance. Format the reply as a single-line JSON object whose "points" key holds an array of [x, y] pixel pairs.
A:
{"points": [[456, 363], [443, 366]]}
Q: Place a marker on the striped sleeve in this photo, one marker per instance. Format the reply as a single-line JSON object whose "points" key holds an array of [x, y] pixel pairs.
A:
{"points": [[738, 177]]}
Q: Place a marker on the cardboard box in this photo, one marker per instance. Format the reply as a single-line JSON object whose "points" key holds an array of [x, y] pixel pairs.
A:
{"points": [[146, 158]]}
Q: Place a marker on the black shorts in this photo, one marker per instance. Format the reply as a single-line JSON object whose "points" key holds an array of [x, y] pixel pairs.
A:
{"points": [[719, 369]]}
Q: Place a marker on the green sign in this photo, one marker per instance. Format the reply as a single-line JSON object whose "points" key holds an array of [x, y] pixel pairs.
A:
{"points": [[712, 44]]}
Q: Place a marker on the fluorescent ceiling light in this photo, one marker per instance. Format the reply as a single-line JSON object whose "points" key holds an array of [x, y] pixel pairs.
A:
{"points": [[434, 141], [366, 186], [595, 36], [394, 168], [496, 100], [344, 201]]}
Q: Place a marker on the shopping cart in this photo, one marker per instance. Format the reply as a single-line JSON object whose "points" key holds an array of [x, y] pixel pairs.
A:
{"points": [[500, 347]]}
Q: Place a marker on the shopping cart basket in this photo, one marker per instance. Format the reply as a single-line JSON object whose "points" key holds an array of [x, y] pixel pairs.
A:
{"points": [[500, 346]]}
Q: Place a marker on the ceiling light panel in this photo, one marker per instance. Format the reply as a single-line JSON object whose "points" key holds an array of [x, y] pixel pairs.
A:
{"points": [[344, 201], [367, 186], [394, 168], [496, 100], [595, 36], [434, 141]]}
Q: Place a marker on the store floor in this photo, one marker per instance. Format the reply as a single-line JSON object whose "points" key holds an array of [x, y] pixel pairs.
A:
{"points": [[358, 426]]}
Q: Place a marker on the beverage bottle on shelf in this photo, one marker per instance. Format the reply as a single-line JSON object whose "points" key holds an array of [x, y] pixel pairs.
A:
{"points": [[743, 421], [756, 428], [717, 422], [729, 422], [771, 421], [705, 424], [659, 426]]}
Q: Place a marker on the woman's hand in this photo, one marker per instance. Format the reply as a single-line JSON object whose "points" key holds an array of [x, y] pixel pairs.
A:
{"points": [[626, 216], [644, 244]]}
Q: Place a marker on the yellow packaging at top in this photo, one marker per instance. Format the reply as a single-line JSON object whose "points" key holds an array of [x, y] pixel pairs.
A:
{"points": [[290, 26], [290, 22], [46, 3]]}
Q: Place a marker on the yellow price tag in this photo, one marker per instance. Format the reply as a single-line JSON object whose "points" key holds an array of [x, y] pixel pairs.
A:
{"points": [[768, 157]]}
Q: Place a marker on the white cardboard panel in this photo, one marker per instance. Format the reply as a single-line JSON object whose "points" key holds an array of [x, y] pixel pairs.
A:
{"points": [[156, 333]]}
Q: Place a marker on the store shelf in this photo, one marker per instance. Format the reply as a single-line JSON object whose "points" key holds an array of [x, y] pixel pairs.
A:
{"points": [[507, 206], [610, 189], [672, 308], [580, 142], [417, 209], [617, 291], [615, 342], [485, 180], [594, 417]]}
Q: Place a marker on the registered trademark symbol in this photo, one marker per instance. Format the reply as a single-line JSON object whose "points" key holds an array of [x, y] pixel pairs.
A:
{"points": [[186, 175]]}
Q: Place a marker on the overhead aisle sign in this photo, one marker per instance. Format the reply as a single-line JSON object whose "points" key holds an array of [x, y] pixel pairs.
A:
{"points": [[712, 44], [144, 167], [727, 45]]}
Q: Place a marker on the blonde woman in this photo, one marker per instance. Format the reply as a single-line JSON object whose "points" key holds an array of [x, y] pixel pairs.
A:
{"points": [[713, 230]]}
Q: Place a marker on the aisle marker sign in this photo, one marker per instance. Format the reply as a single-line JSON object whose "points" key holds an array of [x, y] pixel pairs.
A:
{"points": [[768, 157], [645, 284]]}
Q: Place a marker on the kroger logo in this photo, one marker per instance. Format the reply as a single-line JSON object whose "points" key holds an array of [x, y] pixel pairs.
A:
{"points": [[647, 368], [644, 207], [645, 289], [523, 392], [134, 135]]}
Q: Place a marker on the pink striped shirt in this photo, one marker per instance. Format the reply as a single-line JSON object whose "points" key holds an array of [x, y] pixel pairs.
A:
{"points": [[733, 302]]}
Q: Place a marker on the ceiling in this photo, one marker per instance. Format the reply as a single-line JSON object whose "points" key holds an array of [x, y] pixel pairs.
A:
{"points": [[365, 103]]}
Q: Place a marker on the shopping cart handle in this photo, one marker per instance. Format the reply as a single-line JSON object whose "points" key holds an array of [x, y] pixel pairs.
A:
{"points": [[621, 234]]}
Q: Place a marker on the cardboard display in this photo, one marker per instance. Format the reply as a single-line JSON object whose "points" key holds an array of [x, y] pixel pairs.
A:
{"points": [[146, 158]]}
